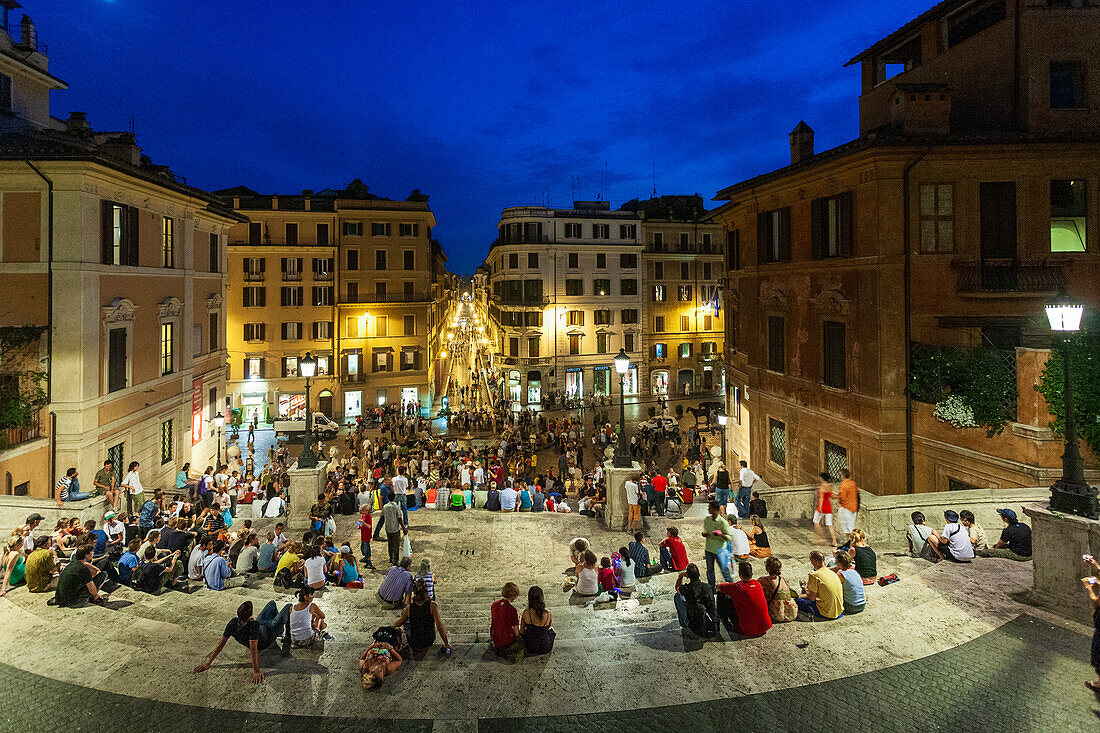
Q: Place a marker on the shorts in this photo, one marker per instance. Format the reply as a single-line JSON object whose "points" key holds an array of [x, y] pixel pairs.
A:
{"points": [[635, 512], [818, 516]]}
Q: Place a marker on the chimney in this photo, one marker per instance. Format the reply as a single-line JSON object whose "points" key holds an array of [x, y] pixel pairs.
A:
{"points": [[77, 125], [802, 142], [28, 39], [921, 109], [124, 147]]}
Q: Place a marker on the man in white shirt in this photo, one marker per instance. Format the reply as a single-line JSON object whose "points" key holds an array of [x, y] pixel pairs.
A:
{"points": [[745, 479], [116, 534], [280, 538], [509, 499], [634, 507], [275, 506], [479, 477], [195, 560], [464, 475], [739, 543], [954, 542]]}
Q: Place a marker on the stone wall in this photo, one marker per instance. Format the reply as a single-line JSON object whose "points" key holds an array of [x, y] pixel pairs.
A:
{"points": [[14, 511], [1058, 542]]}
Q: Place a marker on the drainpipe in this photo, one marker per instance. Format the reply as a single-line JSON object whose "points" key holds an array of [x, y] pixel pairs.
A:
{"points": [[49, 323], [1017, 122], [907, 243]]}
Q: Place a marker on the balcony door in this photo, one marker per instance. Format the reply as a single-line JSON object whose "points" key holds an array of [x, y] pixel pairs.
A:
{"points": [[998, 235]]}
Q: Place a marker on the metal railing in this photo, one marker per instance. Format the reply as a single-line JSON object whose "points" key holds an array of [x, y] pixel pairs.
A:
{"points": [[22, 434], [1010, 276]]}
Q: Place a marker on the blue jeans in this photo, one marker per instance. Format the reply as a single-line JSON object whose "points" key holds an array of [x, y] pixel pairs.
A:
{"points": [[666, 560], [364, 550], [711, 560], [805, 605], [744, 495], [722, 496], [275, 621], [404, 504], [681, 609], [78, 495]]}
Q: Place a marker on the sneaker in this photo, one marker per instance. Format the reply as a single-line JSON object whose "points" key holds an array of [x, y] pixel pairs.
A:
{"points": [[327, 636]]}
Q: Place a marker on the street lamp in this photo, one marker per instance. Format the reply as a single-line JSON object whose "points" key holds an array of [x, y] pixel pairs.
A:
{"points": [[307, 366], [219, 423], [723, 418], [622, 457], [1070, 494]]}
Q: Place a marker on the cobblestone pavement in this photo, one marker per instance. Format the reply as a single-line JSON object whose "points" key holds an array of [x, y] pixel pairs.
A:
{"points": [[1023, 676]]}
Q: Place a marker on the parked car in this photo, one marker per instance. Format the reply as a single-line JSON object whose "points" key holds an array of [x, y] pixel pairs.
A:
{"points": [[323, 428], [663, 424]]}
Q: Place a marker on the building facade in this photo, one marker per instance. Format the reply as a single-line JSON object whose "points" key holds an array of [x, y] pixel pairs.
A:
{"points": [[885, 298], [353, 279], [565, 289], [121, 266]]}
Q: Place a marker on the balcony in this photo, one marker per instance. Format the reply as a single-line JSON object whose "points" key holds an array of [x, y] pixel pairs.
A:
{"points": [[540, 301], [289, 277], [253, 277], [23, 434], [353, 378], [527, 361], [1010, 277], [322, 276], [390, 298]]}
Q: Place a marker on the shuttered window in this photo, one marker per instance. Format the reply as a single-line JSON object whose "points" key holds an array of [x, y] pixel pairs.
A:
{"points": [[773, 235], [831, 226], [116, 360], [777, 347], [119, 234], [834, 371]]}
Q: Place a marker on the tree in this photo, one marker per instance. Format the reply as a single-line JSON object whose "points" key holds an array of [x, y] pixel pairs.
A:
{"points": [[1084, 359], [21, 392]]}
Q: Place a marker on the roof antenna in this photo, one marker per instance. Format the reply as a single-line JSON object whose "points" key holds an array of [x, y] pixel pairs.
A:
{"points": [[131, 124], [654, 179]]}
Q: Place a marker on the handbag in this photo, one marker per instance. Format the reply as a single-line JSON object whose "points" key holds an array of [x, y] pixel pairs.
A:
{"points": [[406, 547], [788, 608]]}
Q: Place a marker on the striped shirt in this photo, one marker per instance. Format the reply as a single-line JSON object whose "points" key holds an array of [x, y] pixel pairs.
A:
{"points": [[397, 584], [429, 580]]}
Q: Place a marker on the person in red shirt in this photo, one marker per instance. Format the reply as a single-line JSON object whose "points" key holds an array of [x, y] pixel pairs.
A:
{"points": [[504, 625], [365, 533], [742, 606], [606, 574], [659, 484], [674, 556]]}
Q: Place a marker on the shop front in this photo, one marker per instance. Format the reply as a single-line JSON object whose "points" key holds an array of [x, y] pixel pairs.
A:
{"points": [[601, 381], [684, 381], [514, 389], [660, 382], [534, 387], [353, 403], [574, 382], [254, 407], [292, 405]]}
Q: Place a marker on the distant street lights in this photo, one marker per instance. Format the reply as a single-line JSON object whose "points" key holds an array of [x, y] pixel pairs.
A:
{"points": [[307, 366], [1070, 494], [622, 455]]}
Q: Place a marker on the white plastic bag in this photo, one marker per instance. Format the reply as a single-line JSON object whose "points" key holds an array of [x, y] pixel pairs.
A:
{"points": [[406, 547]]}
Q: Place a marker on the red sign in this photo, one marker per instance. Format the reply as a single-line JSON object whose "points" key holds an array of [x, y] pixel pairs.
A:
{"points": [[196, 411]]}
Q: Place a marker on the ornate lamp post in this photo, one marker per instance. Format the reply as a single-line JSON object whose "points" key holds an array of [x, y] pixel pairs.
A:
{"points": [[307, 366], [1070, 494], [219, 422], [622, 457], [722, 420]]}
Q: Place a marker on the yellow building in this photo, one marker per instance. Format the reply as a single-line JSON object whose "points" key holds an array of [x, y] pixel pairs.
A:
{"points": [[354, 279], [122, 265]]}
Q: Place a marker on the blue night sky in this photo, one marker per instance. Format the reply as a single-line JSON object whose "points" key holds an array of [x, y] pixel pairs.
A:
{"points": [[481, 105]]}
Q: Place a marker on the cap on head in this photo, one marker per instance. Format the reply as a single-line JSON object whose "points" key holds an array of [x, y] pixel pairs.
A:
{"points": [[951, 515], [1007, 514]]}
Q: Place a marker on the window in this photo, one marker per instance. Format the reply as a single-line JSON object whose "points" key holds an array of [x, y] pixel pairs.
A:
{"points": [[292, 330], [777, 442], [408, 230], [628, 231], [836, 460], [658, 270], [659, 293], [777, 356], [380, 290], [658, 241], [5, 98], [601, 260], [410, 359], [533, 260], [937, 217], [628, 287], [215, 342], [322, 330], [706, 241], [290, 366], [351, 327], [601, 286], [901, 59], [323, 365], [291, 233], [628, 342], [574, 344], [833, 355], [380, 259], [116, 359], [574, 318], [659, 324], [684, 244], [215, 254], [684, 294], [707, 271], [685, 323], [292, 268], [353, 259], [773, 235], [254, 331], [574, 287], [290, 296], [628, 262], [254, 268], [573, 259], [381, 326], [408, 259], [322, 234], [708, 323], [353, 229], [601, 231], [972, 20], [254, 297], [532, 319], [573, 231], [322, 268], [533, 347], [254, 368], [685, 351], [322, 295], [685, 271], [168, 242], [733, 250], [513, 347], [255, 232], [731, 329], [831, 226], [1068, 215], [379, 229], [660, 351], [601, 343], [601, 317], [120, 234], [166, 442], [629, 315], [409, 323], [352, 291], [167, 348]]}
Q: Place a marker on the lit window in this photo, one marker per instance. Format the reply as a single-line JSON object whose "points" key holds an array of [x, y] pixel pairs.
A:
{"points": [[1068, 216]]}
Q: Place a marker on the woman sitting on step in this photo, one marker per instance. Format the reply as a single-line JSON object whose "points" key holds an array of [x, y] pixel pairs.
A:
{"points": [[421, 619]]}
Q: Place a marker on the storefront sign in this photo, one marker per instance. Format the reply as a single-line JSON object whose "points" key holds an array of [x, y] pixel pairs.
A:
{"points": [[196, 411]]}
